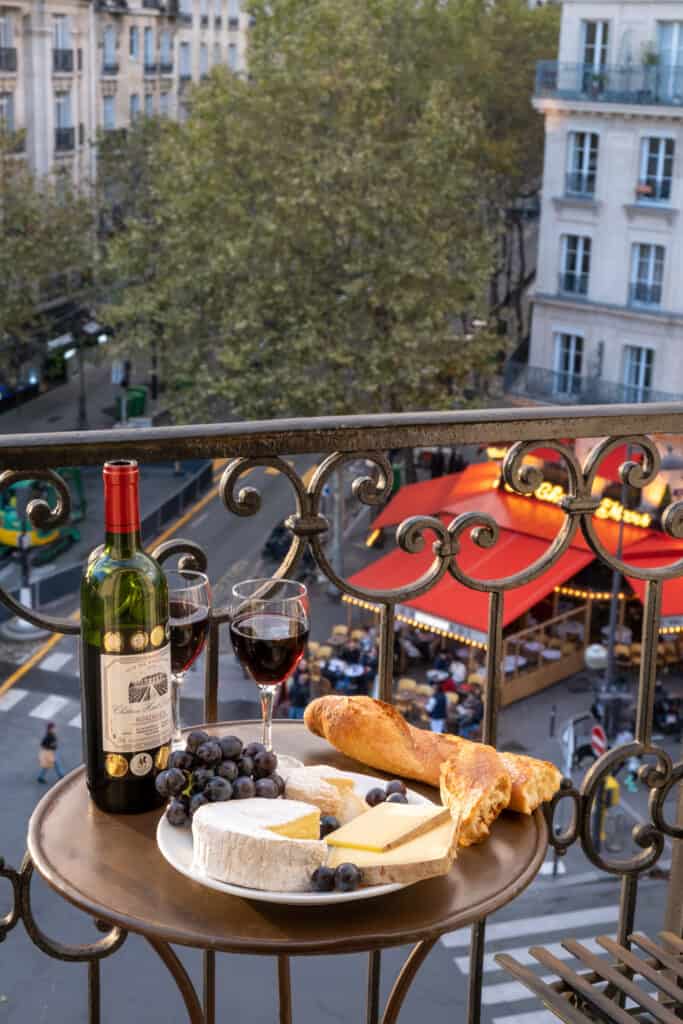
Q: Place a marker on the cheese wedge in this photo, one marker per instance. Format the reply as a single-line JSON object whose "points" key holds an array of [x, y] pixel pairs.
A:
{"points": [[426, 856], [327, 788], [259, 844], [388, 825]]}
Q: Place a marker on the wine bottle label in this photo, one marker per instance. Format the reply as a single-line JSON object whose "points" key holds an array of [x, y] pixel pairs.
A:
{"points": [[136, 702]]}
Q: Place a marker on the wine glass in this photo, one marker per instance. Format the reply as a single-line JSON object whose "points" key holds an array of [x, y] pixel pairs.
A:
{"points": [[189, 599], [269, 630]]}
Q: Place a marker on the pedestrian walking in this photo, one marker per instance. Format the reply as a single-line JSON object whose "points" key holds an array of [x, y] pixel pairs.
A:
{"points": [[436, 709], [47, 754]]}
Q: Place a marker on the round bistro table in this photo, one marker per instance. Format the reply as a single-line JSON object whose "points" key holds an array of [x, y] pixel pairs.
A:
{"points": [[110, 867]]}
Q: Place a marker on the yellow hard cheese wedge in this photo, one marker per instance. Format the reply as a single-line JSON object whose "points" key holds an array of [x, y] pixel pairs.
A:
{"points": [[306, 826], [388, 825], [426, 856]]}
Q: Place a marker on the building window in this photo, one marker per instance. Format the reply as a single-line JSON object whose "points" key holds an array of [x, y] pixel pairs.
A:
{"points": [[134, 106], [568, 364], [638, 363], [216, 53], [134, 42], [149, 104], [109, 113], [109, 48], [166, 52], [6, 31], [63, 110], [149, 47], [576, 264], [656, 169], [186, 10], [218, 7], [670, 69], [203, 60], [204, 11], [582, 163], [595, 35], [164, 104], [6, 112], [185, 61], [62, 32], [232, 56], [233, 13], [647, 274]]}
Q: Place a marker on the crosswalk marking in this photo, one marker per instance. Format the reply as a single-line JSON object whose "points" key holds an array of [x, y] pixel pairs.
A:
{"points": [[601, 916], [509, 991], [547, 867], [12, 697], [55, 661], [49, 707], [523, 956], [76, 722], [535, 1017]]}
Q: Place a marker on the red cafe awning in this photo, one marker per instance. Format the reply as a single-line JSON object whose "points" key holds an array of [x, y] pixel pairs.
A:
{"points": [[429, 496], [457, 603], [609, 467], [655, 552]]}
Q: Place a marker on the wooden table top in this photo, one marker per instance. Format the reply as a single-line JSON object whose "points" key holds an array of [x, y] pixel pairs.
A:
{"points": [[110, 867]]}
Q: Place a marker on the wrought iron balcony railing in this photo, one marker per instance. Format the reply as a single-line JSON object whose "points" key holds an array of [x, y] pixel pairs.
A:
{"points": [[204, 21], [544, 385], [65, 139], [150, 67], [233, 23], [62, 61], [640, 293], [185, 76], [166, 67], [339, 442], [8, 58], [185, 17], [217, 21], [580, 183], [625, 83], [110, 68], [573, 283]]}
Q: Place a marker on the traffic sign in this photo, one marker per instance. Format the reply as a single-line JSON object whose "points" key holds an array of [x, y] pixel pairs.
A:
{"points": [[598, 740]]}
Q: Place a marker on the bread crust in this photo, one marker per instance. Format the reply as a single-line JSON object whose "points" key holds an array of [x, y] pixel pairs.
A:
{"points": [[377, 734]]}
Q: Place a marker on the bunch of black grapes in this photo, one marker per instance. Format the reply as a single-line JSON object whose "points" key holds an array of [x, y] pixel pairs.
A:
{"points": [[209, 770]]}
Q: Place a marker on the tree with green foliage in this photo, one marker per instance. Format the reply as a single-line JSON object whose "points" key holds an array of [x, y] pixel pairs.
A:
{"points": [[317, 237], [46, 248]]}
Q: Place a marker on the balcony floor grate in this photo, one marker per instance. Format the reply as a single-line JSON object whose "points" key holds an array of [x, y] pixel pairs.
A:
{"points": [[602, 992]]}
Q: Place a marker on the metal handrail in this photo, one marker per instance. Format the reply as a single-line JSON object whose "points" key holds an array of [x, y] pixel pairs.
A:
{"points": [[635, 83]]}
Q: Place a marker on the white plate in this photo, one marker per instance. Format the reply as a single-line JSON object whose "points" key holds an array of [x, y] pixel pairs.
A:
{"points": [[175, 845]]}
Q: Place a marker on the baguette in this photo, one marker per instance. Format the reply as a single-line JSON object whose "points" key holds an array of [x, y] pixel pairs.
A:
{"points": [[376, 734]]}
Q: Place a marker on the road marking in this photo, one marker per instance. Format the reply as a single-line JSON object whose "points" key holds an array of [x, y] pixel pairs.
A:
{"points": [[510, 991], [200, 519], [76, 722], [30, 662], [547, 868], [185, 518], [55, 662], [535, 1017], [523, 956], [10, 699], [49, 707], [601, 916]]}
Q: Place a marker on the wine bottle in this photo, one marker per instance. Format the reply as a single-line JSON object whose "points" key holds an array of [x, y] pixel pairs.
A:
{"points": [[125, 657]]}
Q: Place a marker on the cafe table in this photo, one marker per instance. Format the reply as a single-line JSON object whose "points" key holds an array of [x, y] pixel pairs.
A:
{"points": [[110, 867]]}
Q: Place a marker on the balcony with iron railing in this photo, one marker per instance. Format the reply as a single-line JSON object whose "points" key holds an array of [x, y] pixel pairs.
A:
{"points": [[65, 139], [151, 67], [540, 384], [166, 67], [62, 61], [643, 293], [185, 17], [570, 282], [580, 183], [625, 83], [110, 68], [8, 58], [142, 893], [204, 21], [217, 21]]}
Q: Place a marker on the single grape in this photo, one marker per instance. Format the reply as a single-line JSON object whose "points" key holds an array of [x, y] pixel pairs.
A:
{"points": [[181, 759], [217, 790], [176, 813], [347, 877], [279, 782], [243, 788], [322, 879], [245, 765], [266, 788], [395, 786], [195, 739], [209, 752], [252, 749], [227, 770], [231, 747], [265, 764], [200, 777], [328, 823], [171, 782], [197, 801], [397, 798], [375, 796]]}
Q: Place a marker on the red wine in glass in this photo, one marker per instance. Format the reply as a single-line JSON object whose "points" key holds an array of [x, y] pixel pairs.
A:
{"points": [[268, 644], [188, 623]]}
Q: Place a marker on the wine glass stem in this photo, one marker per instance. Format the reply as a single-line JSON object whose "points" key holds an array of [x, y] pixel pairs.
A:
{"points": [[176, 683], [267, 694]]}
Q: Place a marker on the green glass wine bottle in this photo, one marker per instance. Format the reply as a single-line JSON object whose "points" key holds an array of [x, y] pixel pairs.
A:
{"points": [[125, 657]]}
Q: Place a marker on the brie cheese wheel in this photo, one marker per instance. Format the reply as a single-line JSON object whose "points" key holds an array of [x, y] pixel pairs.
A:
{"points": [[328, 788], [259, 844]]}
